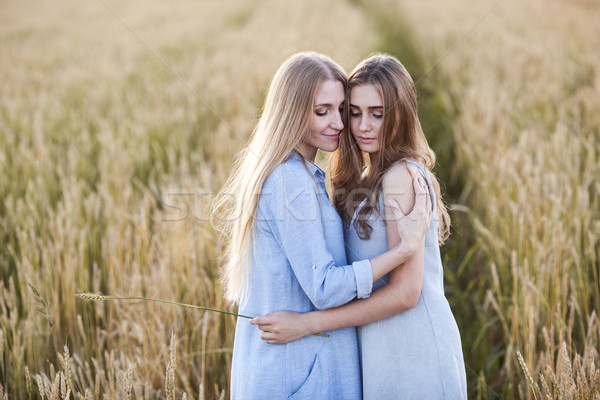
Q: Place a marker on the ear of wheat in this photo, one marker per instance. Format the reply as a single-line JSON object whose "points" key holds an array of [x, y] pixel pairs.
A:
{"points": [[100, 297]]}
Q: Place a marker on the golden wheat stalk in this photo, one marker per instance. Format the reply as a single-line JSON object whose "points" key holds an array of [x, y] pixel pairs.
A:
{"points": [[99, 297]]}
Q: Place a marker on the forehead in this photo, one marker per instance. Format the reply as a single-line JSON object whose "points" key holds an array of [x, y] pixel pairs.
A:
{"points": [[330, 92], [367, 95]]}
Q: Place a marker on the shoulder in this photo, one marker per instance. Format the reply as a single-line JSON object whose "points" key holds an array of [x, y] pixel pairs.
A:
{"points": [[400, 174], [288, 190], [397, 184], [290, 173], [288, 181]]}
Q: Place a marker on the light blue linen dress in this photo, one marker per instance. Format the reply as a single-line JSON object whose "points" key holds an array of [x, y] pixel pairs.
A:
{"points": [[416, 354], [298, 264]]}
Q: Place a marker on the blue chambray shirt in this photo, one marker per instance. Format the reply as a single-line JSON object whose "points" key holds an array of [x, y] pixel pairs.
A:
{"points": [[298, 264]]}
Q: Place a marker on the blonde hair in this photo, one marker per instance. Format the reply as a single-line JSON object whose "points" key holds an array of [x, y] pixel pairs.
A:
{"points": [[284, 124], [401, 137]]}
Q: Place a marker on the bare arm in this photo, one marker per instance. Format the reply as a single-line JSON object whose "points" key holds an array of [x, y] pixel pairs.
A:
{"points": [[410, 194], [400, 294], [405, 282]]}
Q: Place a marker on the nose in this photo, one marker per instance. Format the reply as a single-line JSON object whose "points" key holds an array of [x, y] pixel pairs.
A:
{"points": [[337, 122], [364, 126]]}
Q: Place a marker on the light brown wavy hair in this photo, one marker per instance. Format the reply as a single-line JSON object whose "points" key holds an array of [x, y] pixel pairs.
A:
{"points": [[355, 175]]}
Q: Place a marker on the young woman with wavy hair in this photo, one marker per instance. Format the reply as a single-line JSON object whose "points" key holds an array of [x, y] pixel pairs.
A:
{"points": [[410, 345], [285, 246]]}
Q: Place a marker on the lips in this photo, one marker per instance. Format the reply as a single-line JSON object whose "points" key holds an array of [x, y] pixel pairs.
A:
{"points": [[332, 137], [363, 139]]}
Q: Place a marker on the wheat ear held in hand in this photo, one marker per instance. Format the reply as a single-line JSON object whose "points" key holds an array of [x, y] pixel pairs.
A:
{"points": [[99, 297]]}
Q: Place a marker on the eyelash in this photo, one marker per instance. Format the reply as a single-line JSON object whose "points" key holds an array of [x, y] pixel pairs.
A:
{"points": [[324, 113], [355, 114]]}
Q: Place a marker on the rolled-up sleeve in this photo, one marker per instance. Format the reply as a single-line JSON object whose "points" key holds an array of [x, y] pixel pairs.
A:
{"points": [[293, 209], [364, 278]]}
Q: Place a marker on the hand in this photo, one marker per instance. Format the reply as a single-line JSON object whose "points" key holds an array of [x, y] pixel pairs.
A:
{"points": [[282, 326], [413, 226]]}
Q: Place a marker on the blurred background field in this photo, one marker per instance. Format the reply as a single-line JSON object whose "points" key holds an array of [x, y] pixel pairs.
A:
{"points": [[119, 120]]}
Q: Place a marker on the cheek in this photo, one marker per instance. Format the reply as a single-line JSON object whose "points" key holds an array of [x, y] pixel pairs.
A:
{"points": [[354, 123], [379, 126], [317, 126], [324, 125], [314, 123]]}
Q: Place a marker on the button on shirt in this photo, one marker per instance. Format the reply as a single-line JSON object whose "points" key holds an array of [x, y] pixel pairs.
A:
{"points": [[298, 264]]}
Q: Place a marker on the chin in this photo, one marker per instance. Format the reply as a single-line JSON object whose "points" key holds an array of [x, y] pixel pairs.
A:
{"points": [[368, 149], [330, 147]]}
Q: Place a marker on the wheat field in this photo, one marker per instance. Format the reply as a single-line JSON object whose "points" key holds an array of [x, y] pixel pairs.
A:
{"points": [[118, 121], [523, 80]]}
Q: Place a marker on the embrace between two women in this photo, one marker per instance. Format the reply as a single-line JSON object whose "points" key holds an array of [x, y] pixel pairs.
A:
{"points": [[365, 269]]}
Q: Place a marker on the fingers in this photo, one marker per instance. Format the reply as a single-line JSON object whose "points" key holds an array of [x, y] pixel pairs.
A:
{"points": [[417, 185], [428, 206], [396, 211], [272, 337], [427, 198], [421, 192], [422, 201], [268, 332], [269, 338], [261, 320], [263, 323], [420, 186]]}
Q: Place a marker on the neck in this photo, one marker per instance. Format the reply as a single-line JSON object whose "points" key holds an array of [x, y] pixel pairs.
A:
{"points": [[308, 152]]}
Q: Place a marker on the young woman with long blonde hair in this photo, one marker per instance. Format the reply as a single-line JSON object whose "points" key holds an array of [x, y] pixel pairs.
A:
{"points": [[410, 345], [286, 247]]}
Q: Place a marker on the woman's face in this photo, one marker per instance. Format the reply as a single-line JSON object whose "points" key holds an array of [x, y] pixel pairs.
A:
{"points": [[366, 117], [326, 123]]}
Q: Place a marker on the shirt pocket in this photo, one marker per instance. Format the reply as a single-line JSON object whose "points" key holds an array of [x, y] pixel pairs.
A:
{"points": [[315, 386], [306, 372]]}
